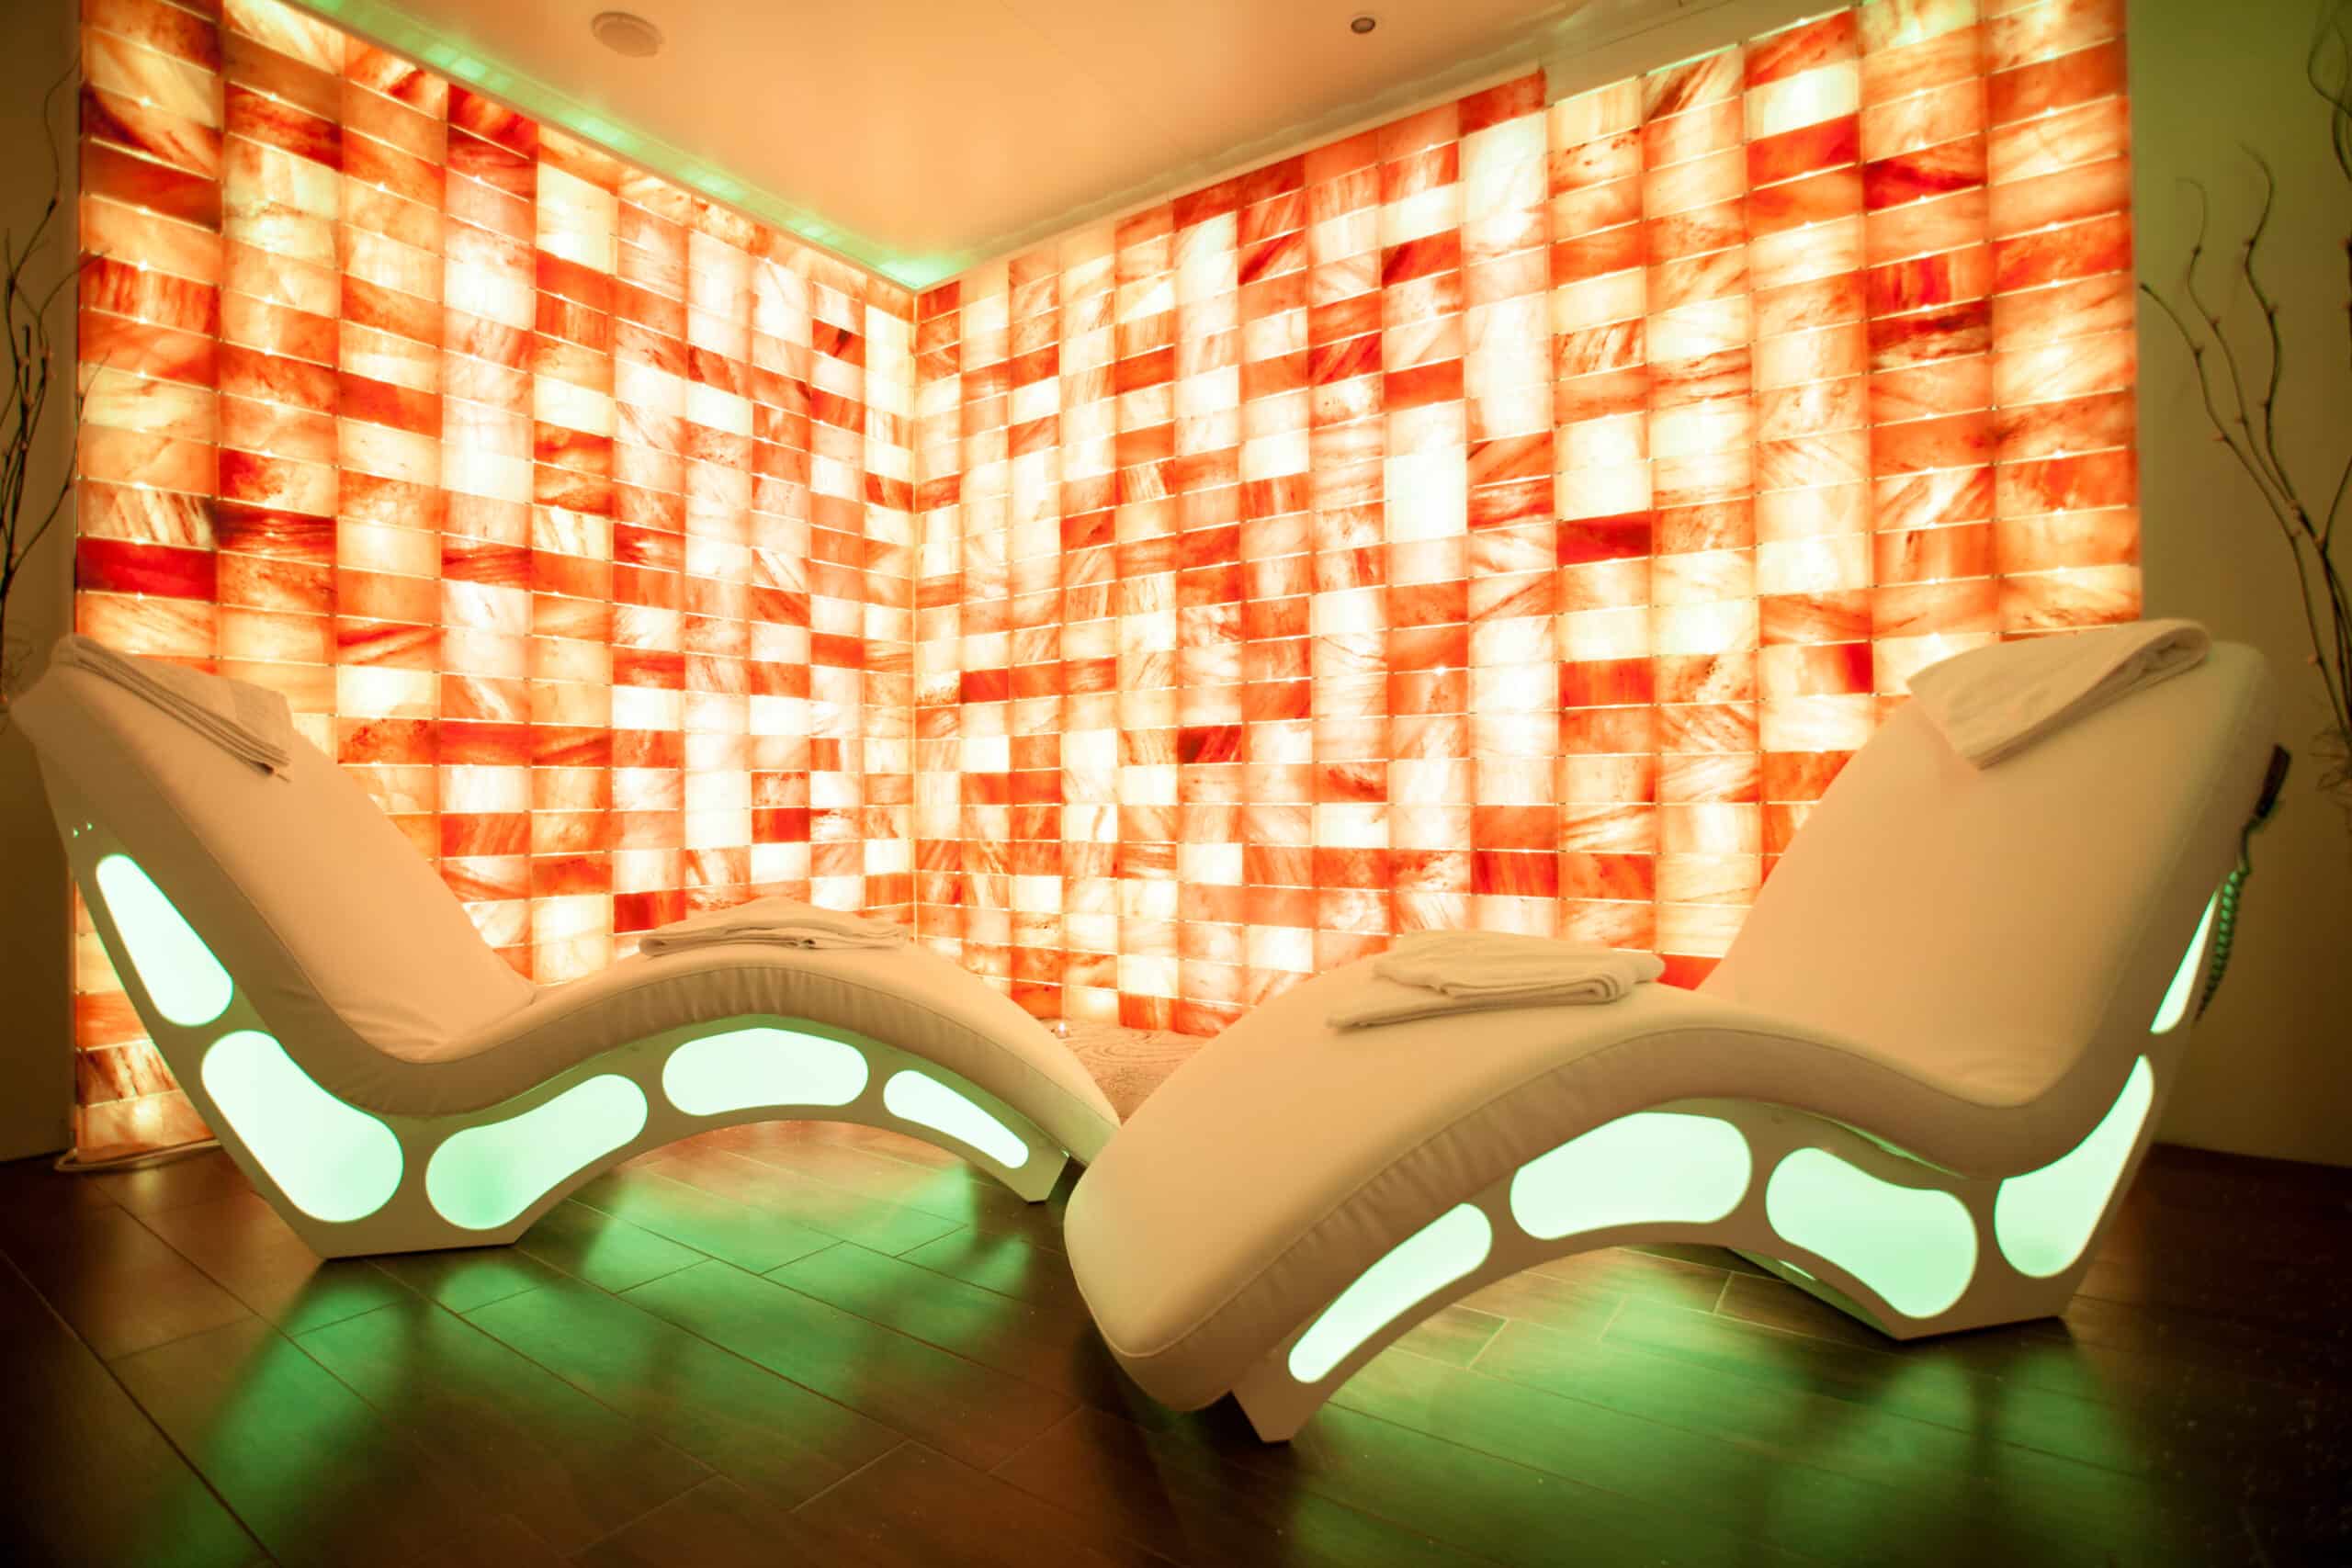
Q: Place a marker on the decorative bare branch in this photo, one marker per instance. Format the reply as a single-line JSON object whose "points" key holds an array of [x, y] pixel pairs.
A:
{"points": [[25, 520], [2244, 410]]}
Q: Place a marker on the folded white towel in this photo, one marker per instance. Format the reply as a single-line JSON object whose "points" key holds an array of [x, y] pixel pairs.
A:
{"points": [[1486, 964], [1431, 973], [251, 723], [1992, 702], [776, 923]]}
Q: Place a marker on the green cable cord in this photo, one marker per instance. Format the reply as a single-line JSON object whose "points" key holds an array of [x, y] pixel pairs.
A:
{"points": [[2225, 909]]}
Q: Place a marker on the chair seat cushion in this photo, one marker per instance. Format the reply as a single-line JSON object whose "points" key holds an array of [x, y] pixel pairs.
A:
{"points": [[1287, 1157], [905, 996]]}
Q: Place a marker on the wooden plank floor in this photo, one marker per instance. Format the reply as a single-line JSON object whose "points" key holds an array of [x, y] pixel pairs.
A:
{"points": [[826, 1344]]}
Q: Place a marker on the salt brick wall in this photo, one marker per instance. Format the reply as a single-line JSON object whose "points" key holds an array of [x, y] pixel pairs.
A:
{"points": [[1513, 516], [572, 511], [1508, 517]]}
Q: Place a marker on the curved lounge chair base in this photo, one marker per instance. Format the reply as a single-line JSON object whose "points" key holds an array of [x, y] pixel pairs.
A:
{"points": [[1917, 1082], [352, 1180], [1905, 1247]]}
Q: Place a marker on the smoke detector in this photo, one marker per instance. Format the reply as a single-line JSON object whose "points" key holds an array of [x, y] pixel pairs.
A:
{"points": [[626, 32]]}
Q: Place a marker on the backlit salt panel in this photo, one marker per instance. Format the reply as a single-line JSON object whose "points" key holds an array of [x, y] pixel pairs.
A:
{"points": [[570, 511], [1519, 512], [1511, 516]]}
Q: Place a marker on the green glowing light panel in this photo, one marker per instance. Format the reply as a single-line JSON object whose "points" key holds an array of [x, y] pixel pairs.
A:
{"points": [[1652, 1167], [181, 976], [2177, 994], [334, 1161], [743, 1068], [2042, 1221], [923, 1100], [1425, 1262], [485, 1176], [1915, 1246]]}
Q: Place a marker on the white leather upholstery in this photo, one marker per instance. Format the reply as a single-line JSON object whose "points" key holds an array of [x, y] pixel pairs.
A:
{"points": [[366, 966], [1964, 964], [326, 916]]}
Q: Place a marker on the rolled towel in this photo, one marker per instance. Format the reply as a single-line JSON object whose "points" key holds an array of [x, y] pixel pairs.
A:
{"points": [[1433, 974], [251, 723], [776, 923], [1992, 702]]}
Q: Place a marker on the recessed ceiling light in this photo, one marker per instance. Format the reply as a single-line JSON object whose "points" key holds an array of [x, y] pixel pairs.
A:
{"points": [[1363, 24], [626, 32]]}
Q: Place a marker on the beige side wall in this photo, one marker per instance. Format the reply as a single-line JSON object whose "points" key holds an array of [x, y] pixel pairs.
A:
{"points": [[2271, 1072], [35, 1065]]}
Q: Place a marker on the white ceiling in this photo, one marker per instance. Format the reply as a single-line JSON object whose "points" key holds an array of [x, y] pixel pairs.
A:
{"points": [[933, 133]]}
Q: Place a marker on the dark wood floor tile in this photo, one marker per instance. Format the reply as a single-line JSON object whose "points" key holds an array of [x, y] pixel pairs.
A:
{"points": [[1007, 1264], [155, 1189], [958, 1192], [2211, 1435], [834, 1210], [1741, 1489], [2037, 1503], [240, 1242], [768, 1434], [501, 1540], [971, 1412], [314, 1472], [749, 1237], [2150, 1387], [1776, 1303], [1482, 1503], [1454, 1335], [2283, 1225], [1640, 1276], [91, 1483], [719, 1525], [2224, 1346], [1164, 1488], [1566, 1305], [1738, 1492], [2316, 1530], [116, 1281], [1053, 1347], [35, 1189], [858, 1135], [1721, 1257], [1667, 1403], [565, 1465], [468, 1277], [603, 1249], [925, 1508], [1921, 1387]]}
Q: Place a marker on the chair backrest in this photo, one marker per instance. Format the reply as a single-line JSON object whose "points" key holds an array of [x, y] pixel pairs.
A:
{"points": [[327, 918], [2000, 927]]}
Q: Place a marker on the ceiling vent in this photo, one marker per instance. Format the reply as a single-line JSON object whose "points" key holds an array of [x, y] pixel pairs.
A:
{"points": [[626, 32]]}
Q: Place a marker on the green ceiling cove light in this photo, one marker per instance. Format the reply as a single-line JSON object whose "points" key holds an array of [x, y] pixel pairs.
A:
{"points": [[334, 1161], [922, 1098], [182, 978], [2043, 1219], [1650, 1167], [1425, 1262], [2175, 1006], [740, 1068], [395, 30], [1915, 1246], [485, 1176]]}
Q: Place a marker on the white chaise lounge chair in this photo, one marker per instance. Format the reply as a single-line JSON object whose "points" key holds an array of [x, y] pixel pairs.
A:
{"points": [[389, 1084], [1915, 1086]]}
